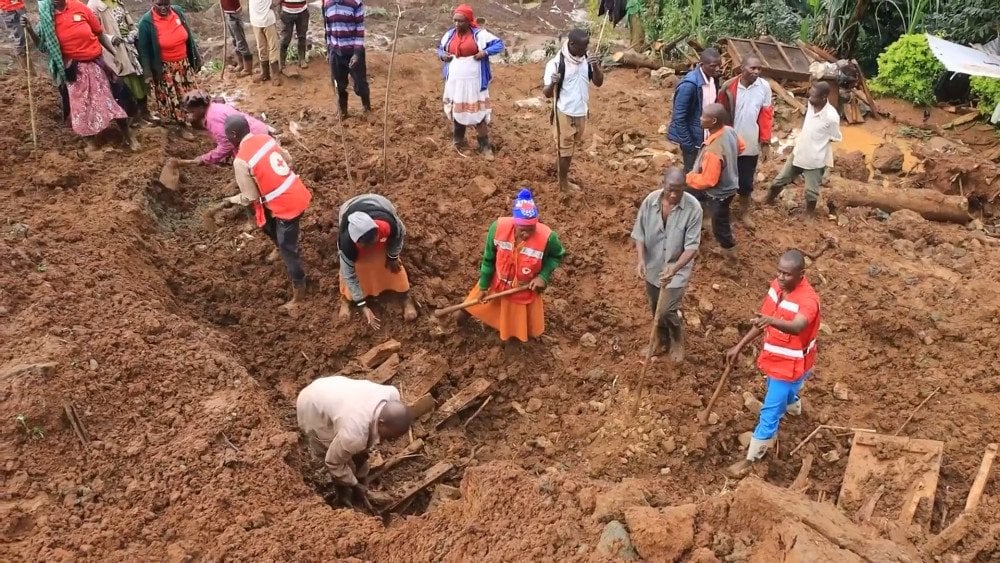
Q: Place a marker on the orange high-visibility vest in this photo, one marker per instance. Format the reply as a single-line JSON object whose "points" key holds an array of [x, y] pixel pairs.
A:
{"points": [[517, 264], [788, 356], [281, 190]]}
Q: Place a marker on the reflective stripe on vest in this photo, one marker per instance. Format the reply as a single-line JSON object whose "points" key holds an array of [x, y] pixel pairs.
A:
{"points": [[261, 152], [789, 352], [277, 192]]}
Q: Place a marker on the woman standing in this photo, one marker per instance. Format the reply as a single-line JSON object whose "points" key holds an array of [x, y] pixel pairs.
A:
{"points": [[71, 35], [169, 57], [121, 29], [465, 51]]}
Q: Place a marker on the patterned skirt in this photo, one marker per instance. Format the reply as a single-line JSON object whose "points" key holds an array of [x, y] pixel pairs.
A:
{"points": [[92, 106], [177, 80]]}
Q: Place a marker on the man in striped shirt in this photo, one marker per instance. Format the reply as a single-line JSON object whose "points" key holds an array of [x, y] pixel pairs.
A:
{"points": [[344, 21]]}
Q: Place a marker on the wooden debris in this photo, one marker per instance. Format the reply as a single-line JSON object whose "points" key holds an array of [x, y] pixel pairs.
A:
{"points": [[76, 423], [821, 427], [961, 120], [982, 477], [930, 204], [408, 452], [909, 418], [461, 400], [801, 482], [475, 414], [386, 371], [422, 406], [785, 95], [967, 520], [433, 474], [864, 513], [631, 59], [422, 372], [374, 357]]}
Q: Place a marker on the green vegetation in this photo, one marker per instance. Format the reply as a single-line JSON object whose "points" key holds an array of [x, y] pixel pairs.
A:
{"points": [[30, 433], [908, 70], [986, 92]]}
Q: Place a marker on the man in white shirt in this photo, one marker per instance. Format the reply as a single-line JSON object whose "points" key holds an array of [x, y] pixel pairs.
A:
{"points": [[343, 419], [568, 76], [265, 33], [813, 151]]}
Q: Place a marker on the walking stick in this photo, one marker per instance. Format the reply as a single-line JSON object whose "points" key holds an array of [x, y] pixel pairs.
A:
{"points": [[601, 34], [385, 111], [225, 46], [31, 98], [649, 351], [555, 117]]}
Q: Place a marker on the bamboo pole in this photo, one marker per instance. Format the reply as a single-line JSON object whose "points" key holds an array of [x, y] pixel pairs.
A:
{"points": [[385, 110], [225, 47], [31, 97]]}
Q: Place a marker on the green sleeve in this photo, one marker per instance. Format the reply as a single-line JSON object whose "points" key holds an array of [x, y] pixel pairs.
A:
{"points": [[488, 265], [554, 253]]}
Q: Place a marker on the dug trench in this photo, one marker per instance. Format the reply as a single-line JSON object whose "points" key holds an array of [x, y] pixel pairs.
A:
{"points": [[166, 334]]}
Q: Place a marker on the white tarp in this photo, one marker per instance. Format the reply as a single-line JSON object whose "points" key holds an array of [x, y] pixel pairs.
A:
{"points": [[959, 58]]}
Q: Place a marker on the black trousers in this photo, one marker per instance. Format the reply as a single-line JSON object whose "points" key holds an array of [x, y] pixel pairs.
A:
{"points": [[299, 23], [747, 170], [339, 71], [718, 210], [689, 159], [285, 235]]}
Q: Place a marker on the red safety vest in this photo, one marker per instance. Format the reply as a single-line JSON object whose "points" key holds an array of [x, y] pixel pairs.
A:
{"points": [[517, 264], [281, 190], [788, 356]]}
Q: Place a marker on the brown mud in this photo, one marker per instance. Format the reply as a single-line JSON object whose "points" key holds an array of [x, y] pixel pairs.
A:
{"points": [[167, 337]]}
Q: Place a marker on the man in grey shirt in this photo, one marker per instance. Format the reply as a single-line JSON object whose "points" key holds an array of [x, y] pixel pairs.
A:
{"points": [[667, 234]]}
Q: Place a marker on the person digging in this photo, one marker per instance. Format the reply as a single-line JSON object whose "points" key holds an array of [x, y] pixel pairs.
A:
{"points": [[567, 77], [370, 241], [343, 419], [789, 319], [277, 194]]}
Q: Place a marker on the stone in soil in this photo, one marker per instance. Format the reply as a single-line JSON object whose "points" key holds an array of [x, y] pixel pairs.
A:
{"points": [[616, 543], [663, 534]]}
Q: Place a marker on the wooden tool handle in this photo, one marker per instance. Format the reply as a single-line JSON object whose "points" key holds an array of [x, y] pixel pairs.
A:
{"points": [[451, 309], [715, 396]]}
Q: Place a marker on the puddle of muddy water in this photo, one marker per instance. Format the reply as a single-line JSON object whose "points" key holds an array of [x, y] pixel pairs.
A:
{"points": [[859, 138]]}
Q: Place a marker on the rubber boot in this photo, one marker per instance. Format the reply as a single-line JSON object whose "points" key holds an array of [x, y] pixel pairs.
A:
{"points": [[366, 103], [743, 205], [795, 409], [303, 54], [342, 104], [677, 344], [458, 135], [772, 195], [265, 73], [247, 68], [755, 452], [276, 73], [732, 258], [298, 296], [485, 149], [810, 212]]}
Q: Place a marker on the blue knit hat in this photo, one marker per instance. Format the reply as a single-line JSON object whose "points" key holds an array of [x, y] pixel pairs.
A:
{"points": [[525, 212]]}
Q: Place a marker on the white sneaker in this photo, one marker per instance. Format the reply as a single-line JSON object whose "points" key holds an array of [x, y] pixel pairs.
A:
{"points": [[758, 448]]}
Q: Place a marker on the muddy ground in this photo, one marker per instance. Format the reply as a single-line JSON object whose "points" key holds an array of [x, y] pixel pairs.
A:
{"points": [[165, 334]]}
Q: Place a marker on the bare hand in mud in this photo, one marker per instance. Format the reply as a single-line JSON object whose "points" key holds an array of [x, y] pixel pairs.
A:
{"points": [[370, 318], [732, 354], [537, 284], [360, 491]]}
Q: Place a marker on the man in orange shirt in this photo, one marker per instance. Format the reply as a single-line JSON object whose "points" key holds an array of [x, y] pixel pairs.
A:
{"points": [[715, 176], [789, 319]]}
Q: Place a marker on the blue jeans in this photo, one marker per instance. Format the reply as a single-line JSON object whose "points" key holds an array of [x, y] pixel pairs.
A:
{"points": [[779, 395]]}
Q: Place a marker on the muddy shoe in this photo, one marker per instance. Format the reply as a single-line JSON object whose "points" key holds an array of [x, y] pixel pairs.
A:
{"points": [[795, 409], [739, 469], [677, 345], [273, 256], [303, 64], [298, 296], [568, 186], [409, 310]]}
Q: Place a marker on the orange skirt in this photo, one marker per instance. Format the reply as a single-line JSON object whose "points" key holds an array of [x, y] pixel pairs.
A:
{"points": [[374, 277], [510, 319]]}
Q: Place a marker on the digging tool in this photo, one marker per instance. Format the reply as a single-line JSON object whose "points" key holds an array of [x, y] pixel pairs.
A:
{"points": [[31, 98], [170, 176], [652, 344], [451, 309], [225, 57], [385, 110], [601, 34], [555, 118], [703, 415]]}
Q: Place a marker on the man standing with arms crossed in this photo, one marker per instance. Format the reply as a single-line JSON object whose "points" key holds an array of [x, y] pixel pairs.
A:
{"points": [[747, 99], [695, 92], [567, 77], [789, 319], [667, 234]]}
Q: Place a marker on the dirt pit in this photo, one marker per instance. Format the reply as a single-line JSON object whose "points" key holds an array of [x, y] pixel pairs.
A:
{"points": [[165, 334]]}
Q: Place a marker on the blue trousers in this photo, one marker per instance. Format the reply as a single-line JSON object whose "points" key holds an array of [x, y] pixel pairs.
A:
{"points": [[779, 395]]}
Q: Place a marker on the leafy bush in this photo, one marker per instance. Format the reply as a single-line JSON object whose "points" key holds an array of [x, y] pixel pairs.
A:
{"points": [[986, 92], [908, 70], [968, 21]]}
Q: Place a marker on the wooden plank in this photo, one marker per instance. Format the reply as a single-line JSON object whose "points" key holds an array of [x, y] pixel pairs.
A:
{"points": [[433, 474], [461, 400], [386, 371], [864, 514], [868, 94], [801, 482], [784, 95], [409, 451], [961, 120], [979, 484], [784, 55], [421, 373], [763, 59]]}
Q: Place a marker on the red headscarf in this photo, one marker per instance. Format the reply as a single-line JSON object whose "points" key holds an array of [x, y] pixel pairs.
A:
{"points": [[465, 11]]}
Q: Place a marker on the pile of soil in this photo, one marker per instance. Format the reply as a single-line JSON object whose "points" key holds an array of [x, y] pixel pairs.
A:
{"points": [[167, 337]]}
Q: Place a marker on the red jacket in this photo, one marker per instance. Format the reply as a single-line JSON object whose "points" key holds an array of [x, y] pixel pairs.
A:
{"points": [[765, 119], [789, 356]]}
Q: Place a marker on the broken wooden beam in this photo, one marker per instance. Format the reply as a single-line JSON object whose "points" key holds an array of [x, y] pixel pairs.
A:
{"points": [[785, 95], [864, 514], [76, 423], [408, 452], [374, 357], [461, 400], [422, 406], [631, 59], [961, 120], [436, 472], [982, 477], [801, 482], [386, 370], [929, 204]]}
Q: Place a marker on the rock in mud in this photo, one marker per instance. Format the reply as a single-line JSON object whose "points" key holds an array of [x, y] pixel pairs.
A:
{"points": [[615, 542], [662, 534], [612, 504], [887, 158], [851, 165], [534, 405], [841, 392], [703, 555], [588, 340], [483, 186], [530, 103], [745, 439]]}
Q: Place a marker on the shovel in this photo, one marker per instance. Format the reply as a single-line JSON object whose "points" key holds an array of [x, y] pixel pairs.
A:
{"points": [[170, 176]]}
